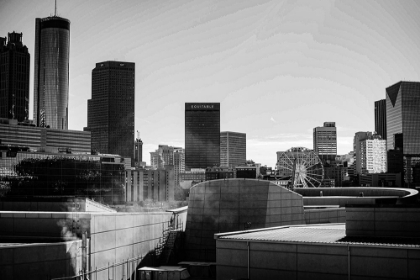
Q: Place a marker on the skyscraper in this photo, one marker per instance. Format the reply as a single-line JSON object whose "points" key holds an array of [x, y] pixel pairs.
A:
{"points": [[325, 141], [373, 155], [232, 149], [403, 115], [202, 135], [14, 78], [380, 118], [111, 109], [358, 137], [403, 122], [51, 75]]}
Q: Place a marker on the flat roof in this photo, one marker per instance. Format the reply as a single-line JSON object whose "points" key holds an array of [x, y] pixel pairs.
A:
{"points": [[321, 233]]}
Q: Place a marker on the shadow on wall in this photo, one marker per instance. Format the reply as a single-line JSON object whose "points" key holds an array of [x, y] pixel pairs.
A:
{"points": [[236, 204], [39, 259]]}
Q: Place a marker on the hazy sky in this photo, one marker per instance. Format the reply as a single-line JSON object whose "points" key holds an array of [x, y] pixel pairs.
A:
{"points": [[278, 68]]}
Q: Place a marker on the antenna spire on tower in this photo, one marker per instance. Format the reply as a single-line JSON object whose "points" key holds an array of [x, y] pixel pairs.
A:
{"points": [[55, 8]]}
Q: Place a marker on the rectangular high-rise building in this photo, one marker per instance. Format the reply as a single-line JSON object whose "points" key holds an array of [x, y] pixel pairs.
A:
{"points": [[202, 135], [232, 149], [14, 78], [403, 133], [373, 155], [358, 138], [380, 118], [111, 109], [325, 141]]}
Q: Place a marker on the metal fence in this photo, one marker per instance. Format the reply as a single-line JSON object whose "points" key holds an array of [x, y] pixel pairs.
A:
{"points": [[125, 270]]}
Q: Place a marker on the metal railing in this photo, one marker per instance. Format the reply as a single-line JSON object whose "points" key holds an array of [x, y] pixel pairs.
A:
{"points": [[124, 270], [127, 269]]}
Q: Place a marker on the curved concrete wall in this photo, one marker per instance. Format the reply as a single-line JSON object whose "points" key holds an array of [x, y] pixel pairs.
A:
{"points": [[236, 204], [355, 192], [343, 196]]}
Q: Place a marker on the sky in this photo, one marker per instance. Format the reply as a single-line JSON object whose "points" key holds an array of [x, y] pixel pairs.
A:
{"points": [[278, 68]]}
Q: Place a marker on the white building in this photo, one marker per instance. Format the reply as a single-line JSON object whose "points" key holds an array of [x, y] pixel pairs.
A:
{"points": [[373, 155]]}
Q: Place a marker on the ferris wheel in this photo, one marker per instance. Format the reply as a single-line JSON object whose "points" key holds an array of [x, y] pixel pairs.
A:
{"points": [[302, 166]]}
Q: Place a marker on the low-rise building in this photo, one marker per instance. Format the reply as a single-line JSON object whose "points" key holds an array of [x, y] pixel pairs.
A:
{"points": [[215, 173], [41, 139]]}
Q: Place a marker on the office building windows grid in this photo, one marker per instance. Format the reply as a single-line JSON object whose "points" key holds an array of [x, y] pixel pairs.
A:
{"points": [[232, 149], [202, 135]]}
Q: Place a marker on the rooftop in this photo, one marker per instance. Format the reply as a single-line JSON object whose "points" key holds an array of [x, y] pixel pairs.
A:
{"points": [[323, 233]]}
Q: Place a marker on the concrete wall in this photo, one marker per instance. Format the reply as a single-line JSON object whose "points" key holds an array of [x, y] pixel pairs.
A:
{"points": [[383, 221], [68, 205], [236, 204], [341, 201], [114, 237], [40, 261], [323, 216], [314, 261], [355, 191]]}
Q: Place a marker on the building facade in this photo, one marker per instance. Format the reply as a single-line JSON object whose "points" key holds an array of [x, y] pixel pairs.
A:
{"points": [[232, 149], [159, 184], [51, 74], [325, 141], [403, 115], [403, 122], [111, 108], [202, 135], [168, 155], [245, 171], [179, 164], [41, 139], [216, 173], [138, 152], [373, 155], [164, 155], [25, 174], [380, 118], [14, 78], [358, 137]]}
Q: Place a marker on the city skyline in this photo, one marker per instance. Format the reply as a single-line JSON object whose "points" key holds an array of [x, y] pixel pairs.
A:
{"points": [[280, 70]]}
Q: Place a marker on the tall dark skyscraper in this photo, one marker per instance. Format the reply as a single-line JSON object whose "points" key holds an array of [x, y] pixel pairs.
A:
{"points": [[51, 75], [202, 135], [403, 133], [14, 78], [403, 116], [380, 118], [111, 109]]}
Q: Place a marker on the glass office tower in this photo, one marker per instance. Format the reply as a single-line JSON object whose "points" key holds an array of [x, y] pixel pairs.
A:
{"points": [[380, 118], [403, 133], [403, 116], [51, 75], [202, 135], [14, 78], [111, 109]]}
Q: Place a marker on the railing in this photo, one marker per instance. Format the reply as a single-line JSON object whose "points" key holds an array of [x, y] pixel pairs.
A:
{"points": [[124, 270], [127, 270]]}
